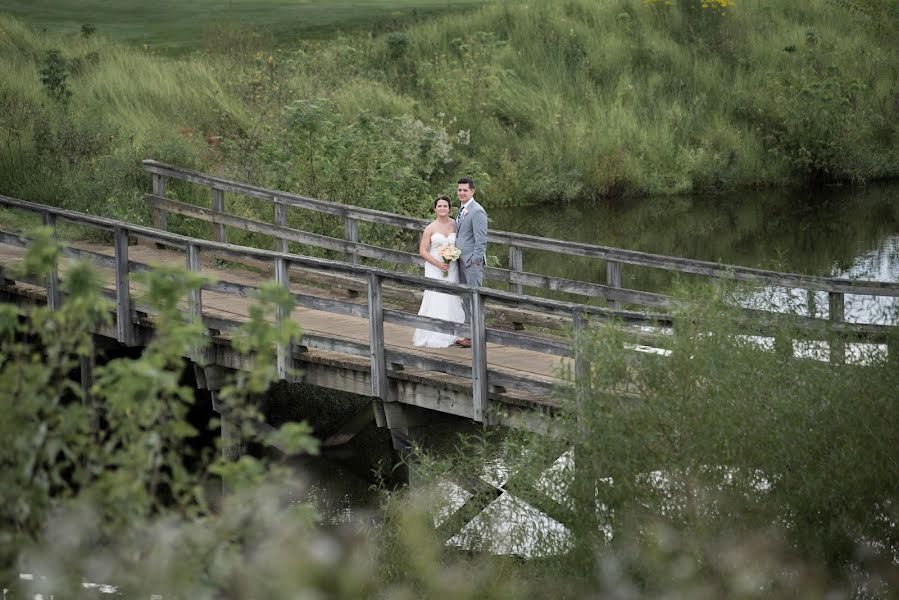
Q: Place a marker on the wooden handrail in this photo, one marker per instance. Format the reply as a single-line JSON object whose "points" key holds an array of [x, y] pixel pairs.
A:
{"points": [[482, 378], [521, 241]]}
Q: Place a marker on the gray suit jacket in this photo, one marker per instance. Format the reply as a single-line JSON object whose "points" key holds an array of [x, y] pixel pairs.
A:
{"points": [[471, 234]]}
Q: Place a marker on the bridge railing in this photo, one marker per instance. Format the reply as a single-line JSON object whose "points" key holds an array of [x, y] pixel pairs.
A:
{"points": [[515, 275], [384, 359]]}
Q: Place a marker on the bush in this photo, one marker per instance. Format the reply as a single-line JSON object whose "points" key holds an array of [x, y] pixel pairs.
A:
{"points": [[720, 470]]}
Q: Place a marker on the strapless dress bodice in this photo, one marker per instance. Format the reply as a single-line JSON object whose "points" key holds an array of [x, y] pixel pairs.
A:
{"points": [[438, 240]]}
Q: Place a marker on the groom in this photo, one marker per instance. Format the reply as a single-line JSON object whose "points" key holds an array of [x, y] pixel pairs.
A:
{"points": [[471, 239]]}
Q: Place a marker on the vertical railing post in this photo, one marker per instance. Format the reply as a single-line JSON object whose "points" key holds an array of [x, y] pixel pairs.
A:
{"points": [[376, 337], [280, 219], [479, 385], [516, 265], [613, 279], [837, 305], [53, 294], [124, 327], [218, 205], [195, 297], [585, 485], [160, 216], [581, 367], [351, 234], [282, 276]]}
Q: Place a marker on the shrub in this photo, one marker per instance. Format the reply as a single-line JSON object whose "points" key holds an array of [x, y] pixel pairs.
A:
{"points": [[54, 76]]}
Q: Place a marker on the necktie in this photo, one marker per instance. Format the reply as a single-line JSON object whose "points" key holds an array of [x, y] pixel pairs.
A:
{"points": [[460, 216]]}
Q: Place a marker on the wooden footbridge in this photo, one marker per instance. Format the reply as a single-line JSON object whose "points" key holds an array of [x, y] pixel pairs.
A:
{"points": [[358, 314]]}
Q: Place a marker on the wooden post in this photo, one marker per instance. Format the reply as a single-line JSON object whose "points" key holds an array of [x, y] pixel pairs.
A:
{"points": [[218, 205], [516, 265], [376, 337], [837, 315], [351, 234], [87, 377], [160, 217], [53, 293], [581, 367], [195, 297], [479, 386], [811, 303], [280, 219], [613, 279], [282, 276], [124, 328], [584, 485]]}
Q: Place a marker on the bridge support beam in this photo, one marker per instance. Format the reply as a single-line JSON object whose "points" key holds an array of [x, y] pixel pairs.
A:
{"points": [[213, 379], [408, 426]]}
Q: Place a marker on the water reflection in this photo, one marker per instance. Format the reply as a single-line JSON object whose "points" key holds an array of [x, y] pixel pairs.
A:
{"points": [[339, 495], [840, 232]]}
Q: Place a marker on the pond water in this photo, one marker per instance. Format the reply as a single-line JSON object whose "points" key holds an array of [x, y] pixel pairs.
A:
{"points": [[837, 232]]}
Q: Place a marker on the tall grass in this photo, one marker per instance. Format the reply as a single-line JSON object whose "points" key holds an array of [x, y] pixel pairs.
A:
{"points": [[126, 104], [603, 98], [542, 101]]}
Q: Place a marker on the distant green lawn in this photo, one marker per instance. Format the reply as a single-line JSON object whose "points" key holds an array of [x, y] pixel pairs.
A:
{"points": [[179, 25]]}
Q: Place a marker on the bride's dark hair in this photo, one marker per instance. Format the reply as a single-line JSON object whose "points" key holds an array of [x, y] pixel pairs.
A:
{"points": [[439, 198]]}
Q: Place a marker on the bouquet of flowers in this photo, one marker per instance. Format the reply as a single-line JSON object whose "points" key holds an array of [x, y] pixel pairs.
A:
{"points": [[449, 253]]}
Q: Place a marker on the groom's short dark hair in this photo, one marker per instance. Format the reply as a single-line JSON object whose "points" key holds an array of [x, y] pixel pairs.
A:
{"points": [[467, 180]]}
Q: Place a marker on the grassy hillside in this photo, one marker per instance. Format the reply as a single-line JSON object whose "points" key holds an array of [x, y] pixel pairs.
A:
{"points": [[540, 101], [580, 99]]}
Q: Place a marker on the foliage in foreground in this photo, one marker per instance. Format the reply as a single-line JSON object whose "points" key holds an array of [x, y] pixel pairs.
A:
{"points": [[718, 471], [730, 468]]}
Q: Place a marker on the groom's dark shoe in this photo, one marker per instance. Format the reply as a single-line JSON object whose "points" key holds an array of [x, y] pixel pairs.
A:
{"points": [[464, 342]]}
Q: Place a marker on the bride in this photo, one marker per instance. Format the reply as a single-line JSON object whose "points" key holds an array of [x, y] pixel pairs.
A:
{"points": [[439, 233]]}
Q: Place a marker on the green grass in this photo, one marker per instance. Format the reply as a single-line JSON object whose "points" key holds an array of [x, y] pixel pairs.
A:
{"points": [[541, 101], [177, 26]]}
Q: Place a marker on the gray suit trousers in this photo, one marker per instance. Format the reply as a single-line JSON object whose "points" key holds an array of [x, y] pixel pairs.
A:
{"points": [[470, 275]]}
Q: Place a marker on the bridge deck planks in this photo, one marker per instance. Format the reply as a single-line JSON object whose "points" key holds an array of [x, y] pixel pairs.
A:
{"points": [[527, 364]]}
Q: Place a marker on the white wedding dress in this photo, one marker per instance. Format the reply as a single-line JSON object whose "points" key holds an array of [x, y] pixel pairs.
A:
{"points": [[436, 304]]}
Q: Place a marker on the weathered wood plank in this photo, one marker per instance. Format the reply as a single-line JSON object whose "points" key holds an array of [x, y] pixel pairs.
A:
{"points": [[645, 259], [195, 298], [376, 338], [516, 265], [616, 295], [124, 327], [423, 322], [613, 278], [550, 308], [281, 221], [53, 292], [283, 351], [160, 217], [283, 233], [218, 205], [351, 234], [479, 381]]}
